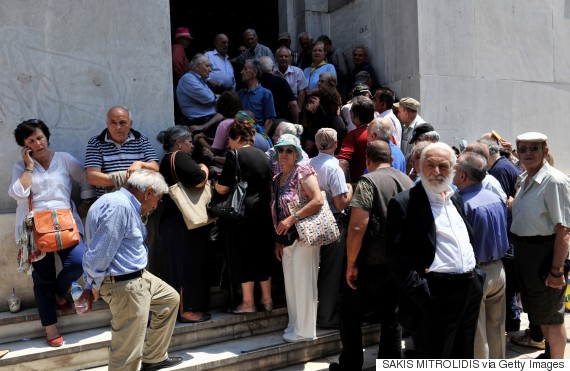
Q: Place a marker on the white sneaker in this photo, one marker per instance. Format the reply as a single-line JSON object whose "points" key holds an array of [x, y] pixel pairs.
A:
{"points": [[291, 337], [289, 329]]}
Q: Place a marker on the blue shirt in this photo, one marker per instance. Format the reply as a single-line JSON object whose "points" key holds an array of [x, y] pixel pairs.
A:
{"points": [[313, 78], [259, 101], [222, 70], [114, 238], [195, 97], [399, 162], [506, 173], [487, 215], [399, 158]]}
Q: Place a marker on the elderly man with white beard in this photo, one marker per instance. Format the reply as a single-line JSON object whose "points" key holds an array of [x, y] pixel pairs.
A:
{"points": [[429, 241]]}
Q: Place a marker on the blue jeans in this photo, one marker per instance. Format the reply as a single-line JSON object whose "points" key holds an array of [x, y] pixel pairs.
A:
{"points": [[46, 283]]}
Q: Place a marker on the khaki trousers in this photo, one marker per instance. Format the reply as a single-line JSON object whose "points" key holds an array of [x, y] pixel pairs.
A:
{"points": [[490, 334], [130, 303]]}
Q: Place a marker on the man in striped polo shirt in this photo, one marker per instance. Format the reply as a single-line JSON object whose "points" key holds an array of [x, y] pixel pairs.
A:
{"points": [[117, 152]]}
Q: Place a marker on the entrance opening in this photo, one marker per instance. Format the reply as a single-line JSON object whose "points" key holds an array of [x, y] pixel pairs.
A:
{"points": [[207, 19]]}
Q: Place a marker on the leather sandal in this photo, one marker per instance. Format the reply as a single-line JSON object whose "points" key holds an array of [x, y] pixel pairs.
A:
{"points": [[57, 342]]}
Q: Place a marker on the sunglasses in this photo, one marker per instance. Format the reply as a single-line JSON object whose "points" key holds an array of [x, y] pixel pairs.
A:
{"points": [[288, 151], [531, 149]]}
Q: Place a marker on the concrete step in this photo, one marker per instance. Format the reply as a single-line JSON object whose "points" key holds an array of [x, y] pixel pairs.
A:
{"points": [[228, 342], [89, 347], [265, 352], [26, 324]]}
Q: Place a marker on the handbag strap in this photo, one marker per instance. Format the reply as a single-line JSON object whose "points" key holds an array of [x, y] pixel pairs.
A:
{"points": [[173, 167], [237, 169]]}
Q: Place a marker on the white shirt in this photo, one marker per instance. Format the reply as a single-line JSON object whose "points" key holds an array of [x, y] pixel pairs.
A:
{"points": [[396, 125], [51, 188], [453, 250], [492, 184], [330, 177], [543, 204], [345, 112]]}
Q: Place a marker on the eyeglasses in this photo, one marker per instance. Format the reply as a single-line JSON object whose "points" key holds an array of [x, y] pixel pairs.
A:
{"points": [[288, 151], [32, 122], [531, 149]]}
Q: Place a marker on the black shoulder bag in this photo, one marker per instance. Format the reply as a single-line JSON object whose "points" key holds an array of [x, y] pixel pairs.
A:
{"points": [[230, 206]]}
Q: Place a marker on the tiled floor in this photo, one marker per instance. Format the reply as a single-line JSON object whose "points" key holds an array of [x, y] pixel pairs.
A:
{"points": [[513, 351]]}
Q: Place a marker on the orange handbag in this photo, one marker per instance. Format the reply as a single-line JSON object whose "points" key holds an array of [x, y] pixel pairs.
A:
{"points": [[54, 230]]}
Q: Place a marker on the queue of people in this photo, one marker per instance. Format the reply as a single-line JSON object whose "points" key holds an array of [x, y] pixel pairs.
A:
{"points": [[422, 230]]}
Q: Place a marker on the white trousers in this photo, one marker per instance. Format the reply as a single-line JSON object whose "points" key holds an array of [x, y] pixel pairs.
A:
{"points": [[300, 271]]}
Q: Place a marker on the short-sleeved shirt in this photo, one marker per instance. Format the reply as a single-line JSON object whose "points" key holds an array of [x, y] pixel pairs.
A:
{"points": [[295, 77], [221, 137], [110, 157], [258, 100], [288, 191], [222, 69], [543, 204], [330, 177], [353, 150]]}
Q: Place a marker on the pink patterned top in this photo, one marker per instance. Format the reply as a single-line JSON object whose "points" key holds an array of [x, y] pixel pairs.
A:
{"points": [[288, 191]]}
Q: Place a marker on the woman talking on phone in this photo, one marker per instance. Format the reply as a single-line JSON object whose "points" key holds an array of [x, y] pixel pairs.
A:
{"points": [[47, 176]]}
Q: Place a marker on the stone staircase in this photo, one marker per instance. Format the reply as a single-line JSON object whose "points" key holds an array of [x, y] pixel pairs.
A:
{"points": [[227, 342]]}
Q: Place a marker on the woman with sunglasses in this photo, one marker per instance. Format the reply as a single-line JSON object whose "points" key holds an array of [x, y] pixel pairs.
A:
{"points": [[250, 250], [48, 177], [300, 261]]}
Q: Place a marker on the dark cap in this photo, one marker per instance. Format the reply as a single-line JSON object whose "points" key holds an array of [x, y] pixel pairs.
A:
{"points": [[419, 130], [360, 89], [283, 36]]}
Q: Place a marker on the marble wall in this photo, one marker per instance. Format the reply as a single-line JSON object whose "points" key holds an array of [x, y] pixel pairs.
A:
{"points": [[475, 65], [66, 62]]}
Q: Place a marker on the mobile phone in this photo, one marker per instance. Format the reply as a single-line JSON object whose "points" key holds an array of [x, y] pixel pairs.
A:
{"points": [[31, 152]]}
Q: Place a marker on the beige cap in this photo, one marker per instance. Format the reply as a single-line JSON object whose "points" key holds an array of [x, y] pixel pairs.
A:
{"points": [[409, 103], [532, 136], [325, 138]]}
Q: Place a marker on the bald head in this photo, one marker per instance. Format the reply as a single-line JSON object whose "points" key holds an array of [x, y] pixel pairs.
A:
{"points": [[380, 129]]}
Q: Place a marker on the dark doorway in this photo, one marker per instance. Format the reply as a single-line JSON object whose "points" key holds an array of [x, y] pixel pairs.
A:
{"points": [[206, 19]]}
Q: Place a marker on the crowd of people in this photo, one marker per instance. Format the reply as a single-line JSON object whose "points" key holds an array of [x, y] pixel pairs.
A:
{"points": [[435, 241]]}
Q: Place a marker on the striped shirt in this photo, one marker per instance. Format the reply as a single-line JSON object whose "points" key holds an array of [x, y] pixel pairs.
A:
{"points": [[110, 157]]}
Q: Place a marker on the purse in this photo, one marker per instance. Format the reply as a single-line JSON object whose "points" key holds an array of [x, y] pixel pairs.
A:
{"points": [[230, 206], [318, 229], [191, 201], [54, 230]]}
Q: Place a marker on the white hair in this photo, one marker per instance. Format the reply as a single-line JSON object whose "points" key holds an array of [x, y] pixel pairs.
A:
{"points": [[144, 179], [290, 128]]}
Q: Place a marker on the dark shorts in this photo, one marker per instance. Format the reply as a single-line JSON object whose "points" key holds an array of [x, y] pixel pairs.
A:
{"points": [[533, 259]]}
